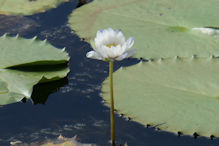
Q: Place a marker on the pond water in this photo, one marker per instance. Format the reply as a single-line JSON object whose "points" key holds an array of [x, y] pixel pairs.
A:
{"points": [[73, 106]]}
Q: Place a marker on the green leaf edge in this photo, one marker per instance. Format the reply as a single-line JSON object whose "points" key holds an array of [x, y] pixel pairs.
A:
{"points": [[44, 62]]}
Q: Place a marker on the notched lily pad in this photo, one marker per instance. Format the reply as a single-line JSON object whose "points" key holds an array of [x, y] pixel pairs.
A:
{"points": [[161, 29], [176, 94], [25, 63], [16, 51]]}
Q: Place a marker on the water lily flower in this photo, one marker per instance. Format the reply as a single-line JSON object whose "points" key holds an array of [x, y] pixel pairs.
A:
{"points": [[111, 45]]}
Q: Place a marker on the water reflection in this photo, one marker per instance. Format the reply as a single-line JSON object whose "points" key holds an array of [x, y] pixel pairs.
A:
{"points": [[13, 25]]}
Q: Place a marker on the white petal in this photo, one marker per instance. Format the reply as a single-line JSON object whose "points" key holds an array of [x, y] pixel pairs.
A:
{"points": [[131, 53], [107, 52], [94, 55], [127, 54], [119, 50], [98, 47], [97, 42], [115, 37], [102, 51], [115, 51], [102, 37], [120, 37], [99, 33], [111, 32], [110, 36], [130, 42]]}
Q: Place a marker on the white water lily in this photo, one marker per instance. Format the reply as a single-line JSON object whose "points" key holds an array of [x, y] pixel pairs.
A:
{"points": [[111, 45]]}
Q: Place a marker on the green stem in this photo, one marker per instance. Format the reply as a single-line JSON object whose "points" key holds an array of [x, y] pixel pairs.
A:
{"points": [[112, 117]]}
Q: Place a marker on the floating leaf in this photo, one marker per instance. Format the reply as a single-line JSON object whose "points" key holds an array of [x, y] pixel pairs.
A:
{"points": [[175, 94], [27, 7], [26, 62], [18, 51], [161, 28]]}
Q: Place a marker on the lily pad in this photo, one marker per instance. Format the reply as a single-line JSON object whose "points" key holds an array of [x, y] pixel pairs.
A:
{"points": [[25, 63], [27, 7], [18, 51], [161, 29], [175, 94]]}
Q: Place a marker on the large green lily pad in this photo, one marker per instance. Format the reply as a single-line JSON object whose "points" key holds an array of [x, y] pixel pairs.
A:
{"points": [[160, 28], [173, 94], [25, 63], [27, 7]]}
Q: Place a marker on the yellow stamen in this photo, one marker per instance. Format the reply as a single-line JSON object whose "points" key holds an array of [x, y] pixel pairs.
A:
{"points": [[111, 45]]}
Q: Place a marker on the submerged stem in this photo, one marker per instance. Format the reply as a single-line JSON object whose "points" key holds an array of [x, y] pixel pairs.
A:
{"points": [[112, 117]]}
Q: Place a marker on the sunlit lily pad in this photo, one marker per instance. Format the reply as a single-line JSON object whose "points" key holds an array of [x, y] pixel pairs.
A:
{"points": [[18, 51], [161, 29], [176, 94], [27, 7], [25, 63]]}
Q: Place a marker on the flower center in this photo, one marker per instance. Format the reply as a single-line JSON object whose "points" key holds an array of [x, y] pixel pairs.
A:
{"points": [[111, 45]]}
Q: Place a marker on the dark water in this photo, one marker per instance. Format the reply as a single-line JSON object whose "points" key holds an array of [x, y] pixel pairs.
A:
{"points": [[73, 106]]}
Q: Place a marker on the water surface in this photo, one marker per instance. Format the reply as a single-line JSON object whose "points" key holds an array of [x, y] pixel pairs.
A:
{"points": [[73, 106]]}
